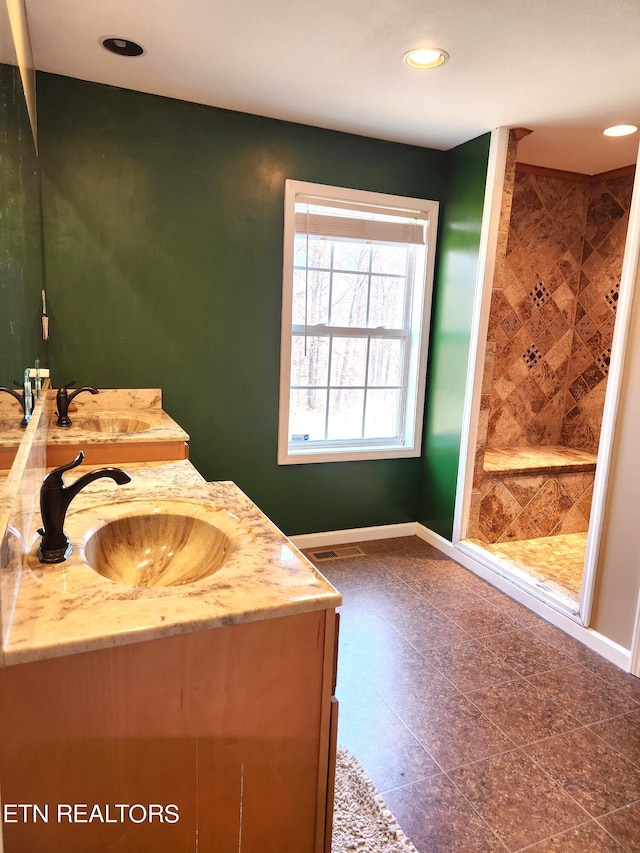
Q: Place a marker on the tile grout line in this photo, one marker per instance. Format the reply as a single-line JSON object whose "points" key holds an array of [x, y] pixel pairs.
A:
{"points": [[533, 628], [560, 834]]}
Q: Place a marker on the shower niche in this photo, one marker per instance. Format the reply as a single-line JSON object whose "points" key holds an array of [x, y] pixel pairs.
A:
{"points": [[556, 284]]}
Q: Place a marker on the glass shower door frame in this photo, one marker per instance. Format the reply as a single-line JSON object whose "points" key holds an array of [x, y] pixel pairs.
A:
{"points": [[486, 268]]}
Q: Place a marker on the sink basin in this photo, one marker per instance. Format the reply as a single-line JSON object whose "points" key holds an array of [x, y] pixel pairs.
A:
{"points": [[157, 549], [115, 425]]}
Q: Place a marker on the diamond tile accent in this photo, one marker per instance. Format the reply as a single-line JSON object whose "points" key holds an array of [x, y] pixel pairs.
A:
{"points": [[603, 360], [532, 356], [539, 294], [613, 295]]}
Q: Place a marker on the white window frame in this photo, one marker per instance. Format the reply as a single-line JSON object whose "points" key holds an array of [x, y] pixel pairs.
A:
{"points": [[338, 451]]}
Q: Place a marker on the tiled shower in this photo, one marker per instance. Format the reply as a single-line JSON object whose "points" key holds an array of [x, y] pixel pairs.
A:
{"points": [[553, 309]]}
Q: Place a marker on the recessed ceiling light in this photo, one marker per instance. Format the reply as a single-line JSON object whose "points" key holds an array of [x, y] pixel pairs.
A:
{"points": [[620, 130], [123, 47], [426, 57]]}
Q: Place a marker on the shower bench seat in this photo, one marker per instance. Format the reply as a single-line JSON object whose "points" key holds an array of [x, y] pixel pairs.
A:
{"points": [[547, 459], [528, 492]]}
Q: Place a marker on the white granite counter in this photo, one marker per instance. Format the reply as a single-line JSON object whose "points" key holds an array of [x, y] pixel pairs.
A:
{"points": [[68, 608], [115, 416]]}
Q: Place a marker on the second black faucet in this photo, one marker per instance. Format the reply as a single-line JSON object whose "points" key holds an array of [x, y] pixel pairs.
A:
{"points": [[63, 398]]}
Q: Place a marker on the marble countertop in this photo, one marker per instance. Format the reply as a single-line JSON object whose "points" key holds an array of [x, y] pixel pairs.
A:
{"points": [[144, 426], [114, 416], [11, 437], [69, 608], [11, 433]]}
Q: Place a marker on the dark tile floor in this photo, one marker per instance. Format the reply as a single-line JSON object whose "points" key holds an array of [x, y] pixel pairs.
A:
{"points": [[484, 727]]}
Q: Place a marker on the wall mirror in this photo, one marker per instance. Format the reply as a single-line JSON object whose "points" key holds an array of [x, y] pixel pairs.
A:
{"points": [[21, 253]]}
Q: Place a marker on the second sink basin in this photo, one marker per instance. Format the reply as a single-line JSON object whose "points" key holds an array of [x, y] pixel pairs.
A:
{"points": [[115, 425], [157, 549]]}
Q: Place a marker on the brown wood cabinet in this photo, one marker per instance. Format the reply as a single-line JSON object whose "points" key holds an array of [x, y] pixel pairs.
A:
{"points": [[231, 728]]}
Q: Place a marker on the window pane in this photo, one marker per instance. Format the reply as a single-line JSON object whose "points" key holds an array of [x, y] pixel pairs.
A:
{"points": [[319, 252], [350, 255], [312, 368], [389, 259], [349, 300], [345, 413], [358, 287], [382, 415], [307, 410], [387, 306], [385, 362], [348, 361], [317, 297]]}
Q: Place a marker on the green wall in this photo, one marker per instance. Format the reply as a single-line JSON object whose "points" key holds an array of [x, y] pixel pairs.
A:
{"points": [[21, 274], [451, 330], [163, 241]]}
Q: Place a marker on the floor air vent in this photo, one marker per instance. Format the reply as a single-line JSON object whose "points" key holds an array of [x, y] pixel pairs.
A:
{"points": [[339, 553]]}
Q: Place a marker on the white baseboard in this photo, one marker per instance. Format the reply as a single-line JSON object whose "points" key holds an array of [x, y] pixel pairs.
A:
{"points": [[566, 621], [354, 534]]}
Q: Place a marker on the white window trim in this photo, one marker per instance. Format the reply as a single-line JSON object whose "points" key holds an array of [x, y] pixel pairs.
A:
{"points": [[417, 373]]}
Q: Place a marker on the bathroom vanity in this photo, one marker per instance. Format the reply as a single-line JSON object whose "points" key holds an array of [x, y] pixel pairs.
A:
{"points": [[115, 427], [140, 716]]}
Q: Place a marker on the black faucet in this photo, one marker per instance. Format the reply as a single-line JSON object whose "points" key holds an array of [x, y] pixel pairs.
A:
{"points": [[63, 398], [23, 399], [55, 498]]}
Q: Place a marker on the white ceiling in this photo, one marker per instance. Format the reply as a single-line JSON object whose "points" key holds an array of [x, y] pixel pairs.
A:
{"points": [[564, 68]]}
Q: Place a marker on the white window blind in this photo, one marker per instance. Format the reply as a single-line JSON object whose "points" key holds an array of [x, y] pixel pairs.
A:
{"points": [[358, 222]]}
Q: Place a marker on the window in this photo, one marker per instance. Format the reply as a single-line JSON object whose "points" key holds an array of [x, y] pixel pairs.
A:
{"points": [[358, 272]]}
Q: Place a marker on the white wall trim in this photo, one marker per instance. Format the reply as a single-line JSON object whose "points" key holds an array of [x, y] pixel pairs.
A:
{"points": [[592, 639], [628, 278], [634, 666], [630, 281], [354, 534], [494, 186], [420, 284]]}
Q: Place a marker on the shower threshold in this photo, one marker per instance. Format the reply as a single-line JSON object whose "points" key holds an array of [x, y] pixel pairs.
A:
{"points": [[552, 564]]}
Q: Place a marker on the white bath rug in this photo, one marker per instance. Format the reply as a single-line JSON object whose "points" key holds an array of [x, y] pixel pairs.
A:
{"points": [[362, 822]]}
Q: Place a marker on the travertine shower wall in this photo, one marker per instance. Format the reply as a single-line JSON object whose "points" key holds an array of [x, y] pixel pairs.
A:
{"points": [[553, 304], [552, 318], [603, 250]]}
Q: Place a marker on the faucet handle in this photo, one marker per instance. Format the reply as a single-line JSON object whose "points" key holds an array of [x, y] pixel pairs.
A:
{"points": [[53, 480], [68, 385]]}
